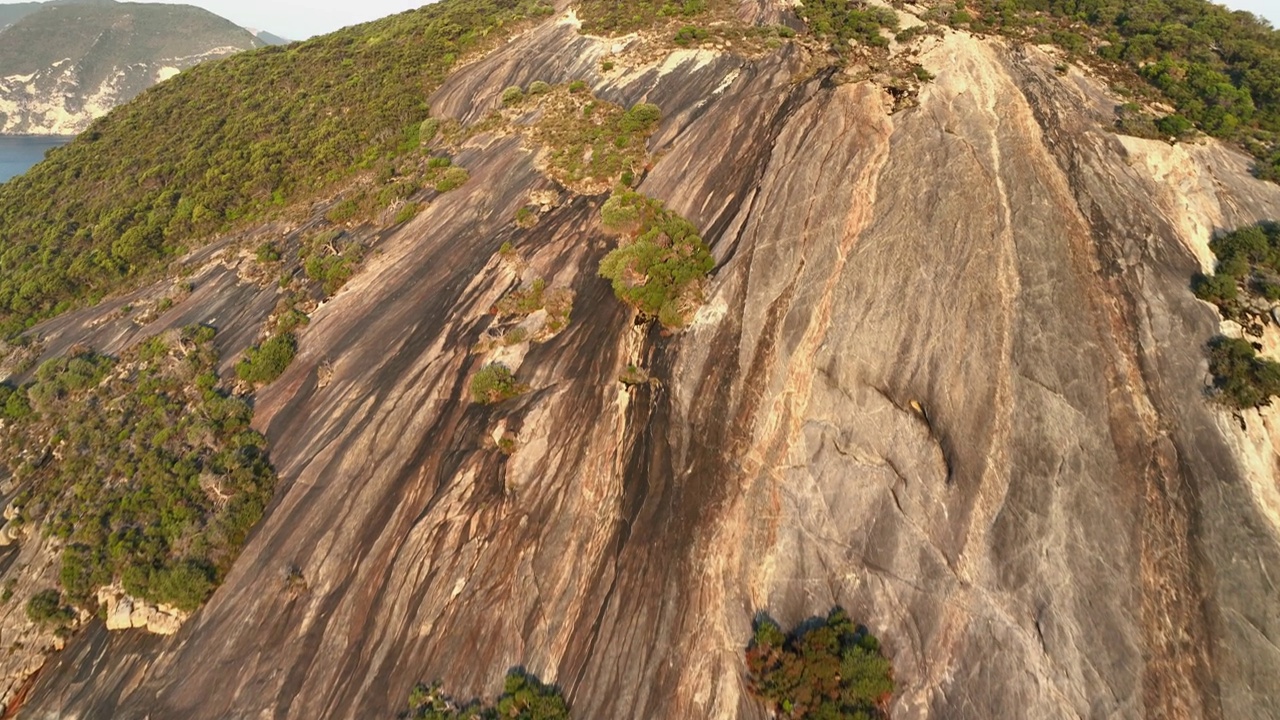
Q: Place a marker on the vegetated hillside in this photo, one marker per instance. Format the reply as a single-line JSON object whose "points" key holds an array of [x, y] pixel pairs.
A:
{"points": [[305, 117], [581, 337], [1218, 69], [64, 64]]}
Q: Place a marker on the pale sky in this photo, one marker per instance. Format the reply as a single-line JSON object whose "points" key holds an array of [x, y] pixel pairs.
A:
{"points": [[300, 19]]}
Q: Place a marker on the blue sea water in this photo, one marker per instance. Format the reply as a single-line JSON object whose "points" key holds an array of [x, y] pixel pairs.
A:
{"points": [[19, 152]]}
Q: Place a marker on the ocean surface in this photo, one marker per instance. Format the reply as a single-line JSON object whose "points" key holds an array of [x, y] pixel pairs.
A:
{"points": [[19, 152]]}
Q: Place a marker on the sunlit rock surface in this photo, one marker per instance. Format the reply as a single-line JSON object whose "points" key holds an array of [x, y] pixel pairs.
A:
{"points": [[950, 375]]}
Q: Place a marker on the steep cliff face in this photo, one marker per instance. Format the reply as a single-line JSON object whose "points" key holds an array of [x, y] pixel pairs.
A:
{"points": [[62, 66], [950, 375]]}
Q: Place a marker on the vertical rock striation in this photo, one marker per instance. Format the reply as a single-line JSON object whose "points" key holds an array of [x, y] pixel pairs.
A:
{"points": [[950, 375]]}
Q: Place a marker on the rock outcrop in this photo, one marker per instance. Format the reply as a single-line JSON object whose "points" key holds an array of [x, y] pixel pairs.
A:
{"points": [[950, 375], [124, 612]]}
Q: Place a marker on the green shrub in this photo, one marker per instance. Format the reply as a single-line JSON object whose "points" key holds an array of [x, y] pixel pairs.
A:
{"points": [[524, 300], [1219, 289], [267, 253], [643, 117], [1174, 126], [606, 65], [578, 86], [661, 261], [46, 608], [828, 669], [609, 17], [266, 362], [343, 211], [512, 96], [1241, 378], [493, 384], [428, 130], [184, 585], [452, 179], [526, 217], [690, 34], [538, 87], [14, 405], [408, 212]]}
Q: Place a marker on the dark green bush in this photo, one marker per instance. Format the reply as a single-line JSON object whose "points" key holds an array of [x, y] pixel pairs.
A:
{"points": [[830, 670], [1174, 126], [1219, 289], [452, 179], [14, 405], [184, 585], [46, 608], [690, 34], [1248, 257], [641, 118], [609, 17], [493, 384], [1242, 379], [266, 362]]}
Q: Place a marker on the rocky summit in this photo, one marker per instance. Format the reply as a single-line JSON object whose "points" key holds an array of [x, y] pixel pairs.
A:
{"points": [[634, 322]]}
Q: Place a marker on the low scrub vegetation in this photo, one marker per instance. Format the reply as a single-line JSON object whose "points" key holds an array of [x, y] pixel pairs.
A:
{"points": [[828, 669], [591, 144], [524, 697], [606, 17], [660, 264], [843, 22], [146, 471]]}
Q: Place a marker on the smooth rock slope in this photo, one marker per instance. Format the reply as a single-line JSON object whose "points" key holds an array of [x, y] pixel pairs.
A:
{"points": [[950, 375]]}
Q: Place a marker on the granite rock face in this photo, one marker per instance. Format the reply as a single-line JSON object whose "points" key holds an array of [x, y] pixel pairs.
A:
{"points": [[950, 375]]}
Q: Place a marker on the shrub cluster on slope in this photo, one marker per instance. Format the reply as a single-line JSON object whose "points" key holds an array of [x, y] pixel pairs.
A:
{"points": [[146, 471], [609, 17], [524, 697], [1248, 263], [591, 143], [1220, 69], [660, 263], [842, 22], [1248, 266], [136, 188], [1242, 379], [831, 670]]}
